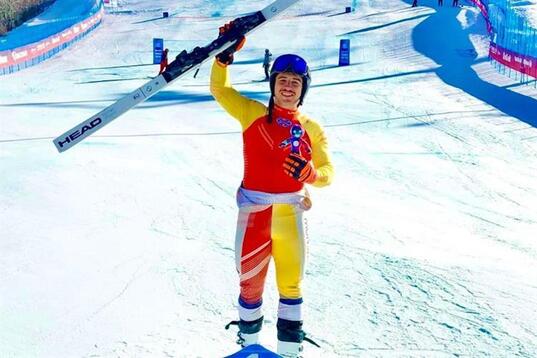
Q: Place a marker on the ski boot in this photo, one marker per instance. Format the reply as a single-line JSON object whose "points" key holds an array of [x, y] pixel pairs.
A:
{"points": [[248, 333], [290, 338]]}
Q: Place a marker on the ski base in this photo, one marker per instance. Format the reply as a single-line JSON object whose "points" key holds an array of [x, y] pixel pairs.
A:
{"points": [[254, 351], [183, 64]]}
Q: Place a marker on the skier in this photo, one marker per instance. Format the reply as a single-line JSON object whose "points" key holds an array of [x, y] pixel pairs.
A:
{"points": [[164, 61], [272, 196], [266, 63]]}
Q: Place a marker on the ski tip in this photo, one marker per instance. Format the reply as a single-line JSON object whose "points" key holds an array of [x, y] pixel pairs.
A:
{"points": [[254, 351]]}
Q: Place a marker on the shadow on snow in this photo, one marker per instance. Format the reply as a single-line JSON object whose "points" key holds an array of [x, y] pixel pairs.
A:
{"points": [[441, 38]]}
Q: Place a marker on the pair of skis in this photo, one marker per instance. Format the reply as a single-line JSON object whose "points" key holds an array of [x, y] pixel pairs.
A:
{"points": [[184, 63]]}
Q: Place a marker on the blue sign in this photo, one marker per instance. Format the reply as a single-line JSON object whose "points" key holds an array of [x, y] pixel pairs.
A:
{"points": [[344, 52], [158, 47]]}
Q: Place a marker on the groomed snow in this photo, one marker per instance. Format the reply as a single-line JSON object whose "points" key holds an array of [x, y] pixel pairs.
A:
{"points": [[423, 246]]}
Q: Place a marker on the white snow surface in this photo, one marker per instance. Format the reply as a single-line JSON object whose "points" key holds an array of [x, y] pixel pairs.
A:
{"points": [[425, 245]]}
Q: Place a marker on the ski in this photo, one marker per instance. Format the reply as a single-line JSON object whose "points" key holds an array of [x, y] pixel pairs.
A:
{"points": [[184, 63], [254, 351]]}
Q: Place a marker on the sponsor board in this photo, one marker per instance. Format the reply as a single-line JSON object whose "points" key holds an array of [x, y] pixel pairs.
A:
{"points": [[524, 64], [26, 54]]}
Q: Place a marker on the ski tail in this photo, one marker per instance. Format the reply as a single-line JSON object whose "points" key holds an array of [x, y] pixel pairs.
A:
{"points": [[76, 134]]}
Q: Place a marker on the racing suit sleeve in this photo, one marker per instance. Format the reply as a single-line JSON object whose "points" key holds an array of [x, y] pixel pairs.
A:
{"points": [[245, 110]]}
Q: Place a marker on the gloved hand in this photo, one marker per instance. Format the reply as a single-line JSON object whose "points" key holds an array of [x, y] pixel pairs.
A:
{"points": [[226, 57], [299, 168]]}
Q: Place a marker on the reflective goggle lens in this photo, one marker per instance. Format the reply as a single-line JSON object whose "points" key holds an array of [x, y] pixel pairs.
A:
{"points": [[290, 63]]}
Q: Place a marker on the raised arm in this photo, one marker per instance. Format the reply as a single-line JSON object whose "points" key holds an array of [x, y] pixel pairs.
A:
{"points": [[229, 98], [239, 107]]}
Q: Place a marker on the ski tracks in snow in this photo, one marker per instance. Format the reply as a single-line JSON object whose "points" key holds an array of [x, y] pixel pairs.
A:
{"points": [[398, 304]]}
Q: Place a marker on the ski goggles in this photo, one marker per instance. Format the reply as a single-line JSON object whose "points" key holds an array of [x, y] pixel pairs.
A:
{"points": [[290, 63]]}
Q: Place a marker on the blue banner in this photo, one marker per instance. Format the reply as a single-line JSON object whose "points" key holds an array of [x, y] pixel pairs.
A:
{"points": [[158, 47], [344, 52], [59, 16]]}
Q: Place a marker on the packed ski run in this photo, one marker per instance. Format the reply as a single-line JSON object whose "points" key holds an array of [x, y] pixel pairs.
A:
{"points": [[422, 246]]}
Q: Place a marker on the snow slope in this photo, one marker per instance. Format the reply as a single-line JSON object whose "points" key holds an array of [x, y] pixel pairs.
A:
{"points": [[424, 245]]}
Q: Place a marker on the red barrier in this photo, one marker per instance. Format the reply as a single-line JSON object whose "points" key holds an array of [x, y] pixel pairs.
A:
{"points": [[526, 65], [29, 52]]}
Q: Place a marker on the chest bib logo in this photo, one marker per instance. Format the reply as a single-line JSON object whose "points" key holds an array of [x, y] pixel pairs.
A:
{"points": [[283, 122], [295, 141]]}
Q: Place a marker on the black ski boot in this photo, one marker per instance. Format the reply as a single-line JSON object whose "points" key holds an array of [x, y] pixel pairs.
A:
{"points": [[290, 338], [248, 331]]}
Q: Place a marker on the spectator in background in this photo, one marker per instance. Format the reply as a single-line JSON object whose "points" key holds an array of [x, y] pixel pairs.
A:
{"points": [[440, 2], [164, 61], [414, 3], [266, 63], [455, 3]]}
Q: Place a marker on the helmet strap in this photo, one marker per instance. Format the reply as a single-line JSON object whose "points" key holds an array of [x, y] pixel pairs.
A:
{"points": [[270, 109]]}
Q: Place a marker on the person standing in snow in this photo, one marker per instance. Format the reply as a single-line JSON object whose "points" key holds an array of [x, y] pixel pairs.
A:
{"points": [[455, 3], [266, 63], [284, 151], [163, 61], [414, 3]]}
